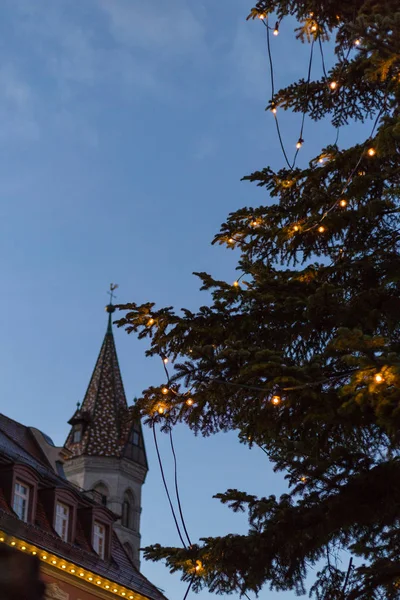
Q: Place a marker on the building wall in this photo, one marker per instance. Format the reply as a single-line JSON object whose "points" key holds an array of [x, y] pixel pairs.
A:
{"points": [[119, 476]]}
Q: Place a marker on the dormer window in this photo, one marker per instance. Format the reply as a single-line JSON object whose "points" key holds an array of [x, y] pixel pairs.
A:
{"points": [[77, 433], [62, 521], [21, 500], [99, 539]]}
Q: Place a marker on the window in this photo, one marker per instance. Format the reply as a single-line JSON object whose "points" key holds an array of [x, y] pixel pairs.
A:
{"points": [[136, 437], [21, 500], [102, 493], [99, 539], [77, 433], [62, 521], [127, 510]]}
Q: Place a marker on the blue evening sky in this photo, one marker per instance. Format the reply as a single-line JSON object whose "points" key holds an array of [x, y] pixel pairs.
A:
{"points": [[126, 126]]}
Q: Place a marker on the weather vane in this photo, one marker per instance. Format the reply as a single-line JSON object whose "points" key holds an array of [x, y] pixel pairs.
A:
{"points": [[113, 286]]}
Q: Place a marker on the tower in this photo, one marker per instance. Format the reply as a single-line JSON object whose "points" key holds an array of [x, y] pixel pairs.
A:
{"points": [[107, 447]]}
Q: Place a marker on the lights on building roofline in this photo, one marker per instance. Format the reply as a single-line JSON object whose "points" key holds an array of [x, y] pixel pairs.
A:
{"points": [[56, 562]]}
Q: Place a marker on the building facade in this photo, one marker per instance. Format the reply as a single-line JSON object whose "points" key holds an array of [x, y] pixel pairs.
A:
{"points": [[77, 508]]}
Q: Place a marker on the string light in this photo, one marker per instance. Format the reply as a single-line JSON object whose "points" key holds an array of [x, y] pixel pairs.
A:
{"points": [[199, 566], [72, 570], [276, 30], [236, 283], [299, 143], [34, 553], [379, 378], [303, 479], [275, 400], [357, 42], [371, 151], [231, 241], [90, 578], [189, 401], [165, 361], [23, 547], [333, 85], [107, 587], [164, 390], [44, 557], [296, 228], [321, 229], [314, 27], [160, 409], [343, 203], [98, 582], [150, 322], [54, 562], [12, 543]]}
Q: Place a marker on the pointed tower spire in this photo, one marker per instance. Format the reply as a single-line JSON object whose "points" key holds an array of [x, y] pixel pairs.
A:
{"points": [[103, 425]]}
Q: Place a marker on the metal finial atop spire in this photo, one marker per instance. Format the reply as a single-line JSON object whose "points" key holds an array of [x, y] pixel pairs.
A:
{"points": [[110, 308]]}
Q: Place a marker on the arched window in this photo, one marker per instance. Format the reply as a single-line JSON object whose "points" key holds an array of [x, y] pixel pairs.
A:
{"points": [[102, 492], [128, 550], [127, 510]]}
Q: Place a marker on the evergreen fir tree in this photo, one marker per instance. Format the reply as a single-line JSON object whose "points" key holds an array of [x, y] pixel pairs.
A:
{"points": [[302, 355]]}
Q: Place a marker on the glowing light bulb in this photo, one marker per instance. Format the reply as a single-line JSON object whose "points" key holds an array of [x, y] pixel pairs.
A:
{"points": [[261, 16], [160, 410], [164, 390], [231, 241], [1, 539], [150, 322], [379, 378], [343, 203], [276, 30], [13, 543], [357, 42], [274, 110], [44, 557], [98, 582], [23, 547], [321, 159], [54, 562], [314, 27], [371, 151], [236, 284], [123, 594], [299, 143], [165, 361], [296, 228], [321, 229], [107, 587], [199, 566], [275, 400], [115, 590], [81, 574], [34, 553], [189, 401], [303, 479], [64, 567], [90, 578], [72, 570], [333, 85]]}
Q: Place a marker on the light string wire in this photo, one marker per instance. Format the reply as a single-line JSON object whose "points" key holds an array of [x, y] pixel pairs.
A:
{"points": [[272, 78]]}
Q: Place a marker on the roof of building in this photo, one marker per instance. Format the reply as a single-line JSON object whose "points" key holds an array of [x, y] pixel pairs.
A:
{"points": [[18, 445], [106, 421]]}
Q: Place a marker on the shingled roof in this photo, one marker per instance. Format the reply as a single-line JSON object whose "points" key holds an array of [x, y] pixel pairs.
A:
{"points": [[107, 422], [18, 446]]}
